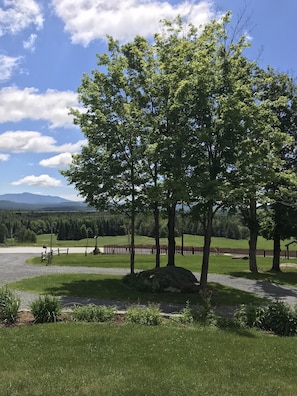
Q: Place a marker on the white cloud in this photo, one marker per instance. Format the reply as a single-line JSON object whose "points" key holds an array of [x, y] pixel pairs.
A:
{"points": [[58, 161], [7, 65], [4, 157], [17, 15], [42, 181], [28, 103], [30, 43], [88, 20], [32, 141]]}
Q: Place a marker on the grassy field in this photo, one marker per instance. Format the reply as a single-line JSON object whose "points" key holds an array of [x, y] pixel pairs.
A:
{"points": [[189, 240], [133, 360]]}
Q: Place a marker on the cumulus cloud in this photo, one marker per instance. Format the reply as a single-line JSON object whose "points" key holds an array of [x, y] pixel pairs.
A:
{"points": [[87, 20], [58, 161], [7, 66], [42, 181], [4, 157], [32, 141], [30, 43], [29, 103], [17, 15]]}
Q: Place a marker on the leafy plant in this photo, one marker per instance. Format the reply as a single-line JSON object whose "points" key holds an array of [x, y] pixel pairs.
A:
{"points": [[9, 306], [46, 309], [205, 313], [186, 315], [249, 316], [150, 315], [280, 318], [94, 313]]}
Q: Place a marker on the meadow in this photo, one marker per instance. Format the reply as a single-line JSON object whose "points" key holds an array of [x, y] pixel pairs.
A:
{"points": [[189, 240]]}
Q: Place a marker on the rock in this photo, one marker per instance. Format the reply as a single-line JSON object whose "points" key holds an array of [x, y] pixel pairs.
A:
{"points": [[165, 279]]}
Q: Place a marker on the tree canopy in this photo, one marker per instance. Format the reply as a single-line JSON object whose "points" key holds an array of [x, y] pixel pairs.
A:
{"points": [[184, 119]]}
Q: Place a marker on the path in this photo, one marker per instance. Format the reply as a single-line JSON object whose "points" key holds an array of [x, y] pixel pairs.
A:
{"points": [[13, 267]]}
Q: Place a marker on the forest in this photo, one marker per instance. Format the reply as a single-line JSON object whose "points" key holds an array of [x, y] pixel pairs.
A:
{"points": [[24, 226]]}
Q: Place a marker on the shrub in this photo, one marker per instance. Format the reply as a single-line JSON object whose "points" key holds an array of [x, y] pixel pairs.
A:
{"points": [[249, 316], [277, 317], [205, 314], [150, 316], [46, 309], [280, 318], [94, 313], [9, 306], [186, 315]]}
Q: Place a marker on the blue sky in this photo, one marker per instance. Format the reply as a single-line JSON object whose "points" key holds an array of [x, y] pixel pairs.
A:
{"points": [[47, 45]]}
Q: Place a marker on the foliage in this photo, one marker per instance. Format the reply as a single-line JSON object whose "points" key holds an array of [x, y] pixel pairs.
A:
{"points": [[248, 316], [23, 235], [93, 313], [9, 306], [278, 317], [149, 316], [186, 315], [46, 309]]}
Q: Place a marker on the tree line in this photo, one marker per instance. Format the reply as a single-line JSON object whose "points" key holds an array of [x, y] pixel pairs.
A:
{"points": [[188, 119], [24, 227]]}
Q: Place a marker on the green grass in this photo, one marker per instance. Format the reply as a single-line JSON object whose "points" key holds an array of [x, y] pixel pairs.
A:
{"points": [[111, 287], [218, 264], [189, 240], [133, 360]]}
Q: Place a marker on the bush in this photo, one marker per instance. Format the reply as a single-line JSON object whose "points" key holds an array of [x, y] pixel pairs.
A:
{"points": [[9, 306], [249, 316], [186, 315], [277, 317], [150, 316], [94, 313], [280, 318], [46, 309]]}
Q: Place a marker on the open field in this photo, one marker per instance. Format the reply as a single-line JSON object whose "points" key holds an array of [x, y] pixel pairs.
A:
{"points": [[109, 359], [189, 240]]}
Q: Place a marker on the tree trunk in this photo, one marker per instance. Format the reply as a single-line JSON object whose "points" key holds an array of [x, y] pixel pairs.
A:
{"points": [[276, 254], [157, 235], [253, 236], [171, 238], [206, 247], [133, 215]]}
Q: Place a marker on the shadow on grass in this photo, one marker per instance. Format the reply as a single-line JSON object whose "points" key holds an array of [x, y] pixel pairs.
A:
{"points": [[114, 289]]}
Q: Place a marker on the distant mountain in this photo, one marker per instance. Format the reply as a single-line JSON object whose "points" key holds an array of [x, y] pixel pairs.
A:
{"points": [[28, 201], [29, 198]]}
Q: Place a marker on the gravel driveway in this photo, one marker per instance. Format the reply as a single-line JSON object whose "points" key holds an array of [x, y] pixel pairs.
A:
{"points": [[13, 267]]}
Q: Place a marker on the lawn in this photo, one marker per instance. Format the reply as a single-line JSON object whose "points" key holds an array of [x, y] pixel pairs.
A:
{"points": [[133, 360], [111, 287], [219, 264]]}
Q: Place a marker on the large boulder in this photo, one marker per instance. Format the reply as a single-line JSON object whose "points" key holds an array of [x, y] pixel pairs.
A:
{"points": [[165, 279]]}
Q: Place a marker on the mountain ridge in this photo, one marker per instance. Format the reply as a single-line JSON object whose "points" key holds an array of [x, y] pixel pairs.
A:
{"points": [[29, 201]]}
